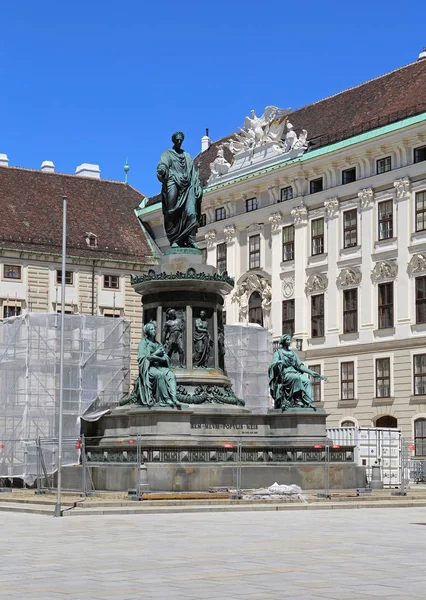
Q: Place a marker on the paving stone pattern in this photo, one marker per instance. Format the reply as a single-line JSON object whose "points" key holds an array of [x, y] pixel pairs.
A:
{"points": [[338, 555]]}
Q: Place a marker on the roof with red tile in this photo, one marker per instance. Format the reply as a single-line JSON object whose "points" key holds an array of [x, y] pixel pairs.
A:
{"points": [[31, 209], [386, 99]]}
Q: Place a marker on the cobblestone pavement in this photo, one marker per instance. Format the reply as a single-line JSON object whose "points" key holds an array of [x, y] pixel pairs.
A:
{"points": [[339, 555]]}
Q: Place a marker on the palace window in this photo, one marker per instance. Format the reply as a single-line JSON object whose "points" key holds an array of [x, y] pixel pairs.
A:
{"points": [[383, 378], [111, 282], [315, 185], [383, 165], [385, 291], [286, 193], [288, 317], [251, 204], [350, 311], [69, 277], [385, 220], [316, 383], [347, 380], [419, 154], [317, 315], [255, 309], [350, 231], [317, 236], [221, 258], [348, 176], [254, 252], [9, 310], [421, 211], [220, 214], [12, 272], [204, 255], [420, 437], [288, 243], [420, 374], [420, 299], [202, 221]]}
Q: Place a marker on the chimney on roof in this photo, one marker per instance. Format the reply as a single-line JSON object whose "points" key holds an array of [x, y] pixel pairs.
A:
{"points": [[422, 54], [4, 161], [47, 166], [205, 141], [88, 170]]}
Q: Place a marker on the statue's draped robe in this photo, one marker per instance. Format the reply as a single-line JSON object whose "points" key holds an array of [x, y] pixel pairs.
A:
{"points": [[202, 344], [181, 197], [157, 383], [287, 383]]}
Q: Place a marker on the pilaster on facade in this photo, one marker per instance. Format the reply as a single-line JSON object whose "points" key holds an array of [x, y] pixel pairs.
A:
{"points": [[333, 304], [300, 218], [404, 291]]}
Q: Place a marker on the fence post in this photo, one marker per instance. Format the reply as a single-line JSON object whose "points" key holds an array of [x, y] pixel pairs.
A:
{"points": [[83, 466]]}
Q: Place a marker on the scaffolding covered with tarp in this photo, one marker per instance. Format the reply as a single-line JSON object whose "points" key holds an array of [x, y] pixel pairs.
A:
{"points": [[96, 375], [248, 353]]}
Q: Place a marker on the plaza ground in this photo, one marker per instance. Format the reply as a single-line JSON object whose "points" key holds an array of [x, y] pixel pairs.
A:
{"points": [[308, 555]]}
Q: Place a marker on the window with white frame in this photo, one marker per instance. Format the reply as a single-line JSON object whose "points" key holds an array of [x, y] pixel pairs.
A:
{"points": [[420, 437], [385, 305], [385, 214], [347, 380], [421, 211], [251, 204], [350, 310], [254, 251], [111, 282], [69, 277], [350, 228], [286, 193], [420, 299], [383, 377], [419, 374], [383, 165], [221, 258], [317, 236], [317, 315], [316, 383], [419, 154], [12, 272], [288, 243]]}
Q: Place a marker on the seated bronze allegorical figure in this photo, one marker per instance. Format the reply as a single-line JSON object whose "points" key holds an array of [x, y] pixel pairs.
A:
{"points": [[156, 383], [287, 382]]}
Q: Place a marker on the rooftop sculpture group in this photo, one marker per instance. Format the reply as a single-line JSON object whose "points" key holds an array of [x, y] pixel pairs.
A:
{"points": [[272, 127]]}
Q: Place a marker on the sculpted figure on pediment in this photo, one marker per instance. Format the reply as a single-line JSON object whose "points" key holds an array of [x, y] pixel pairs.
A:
{"points": [[220, 166], [385, 270], [349, 277], [317, 282], [418, 263]]}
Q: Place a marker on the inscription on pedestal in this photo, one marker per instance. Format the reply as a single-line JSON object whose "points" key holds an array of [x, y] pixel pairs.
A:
{"points": [[220, 428]]}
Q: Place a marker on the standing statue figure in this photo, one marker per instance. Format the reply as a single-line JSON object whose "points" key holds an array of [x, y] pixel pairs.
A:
{"points": [[156, 383], [221, 347], [287, 382], [290, 138], [173, 336], [181, 195], [266, 302], [202, 342]]}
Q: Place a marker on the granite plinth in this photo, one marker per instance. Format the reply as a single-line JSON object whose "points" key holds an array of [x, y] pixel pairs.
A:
{"points": [[195, 448]]}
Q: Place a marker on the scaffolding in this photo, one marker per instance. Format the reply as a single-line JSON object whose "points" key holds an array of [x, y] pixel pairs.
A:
{"points": [[248, 353], [96, 375]]}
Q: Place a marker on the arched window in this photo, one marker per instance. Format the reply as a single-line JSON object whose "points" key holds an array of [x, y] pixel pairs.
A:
{"points": [[255, 309], [386, 421], [347, 423], [420, 437]]}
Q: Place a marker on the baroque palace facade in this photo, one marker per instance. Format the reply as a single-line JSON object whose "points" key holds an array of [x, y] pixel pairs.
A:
{"points": [[320, 216], [105, 244]]}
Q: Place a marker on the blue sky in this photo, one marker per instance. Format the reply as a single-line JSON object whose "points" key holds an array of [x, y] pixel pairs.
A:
{"points": [[96, 81]]}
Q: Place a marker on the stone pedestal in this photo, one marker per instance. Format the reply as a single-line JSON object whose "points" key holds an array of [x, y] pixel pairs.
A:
{"points": [[196, 448]]}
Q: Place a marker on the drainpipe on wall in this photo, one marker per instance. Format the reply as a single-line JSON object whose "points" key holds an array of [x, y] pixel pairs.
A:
{"points": [[93, 287]]}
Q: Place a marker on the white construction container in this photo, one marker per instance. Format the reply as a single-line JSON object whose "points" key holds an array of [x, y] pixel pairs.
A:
{"points": [[372, 444]]}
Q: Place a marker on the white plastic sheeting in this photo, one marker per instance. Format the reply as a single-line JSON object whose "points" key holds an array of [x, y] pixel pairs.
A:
{"points": [[275, 491], [248, 355], [96, 374]]}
